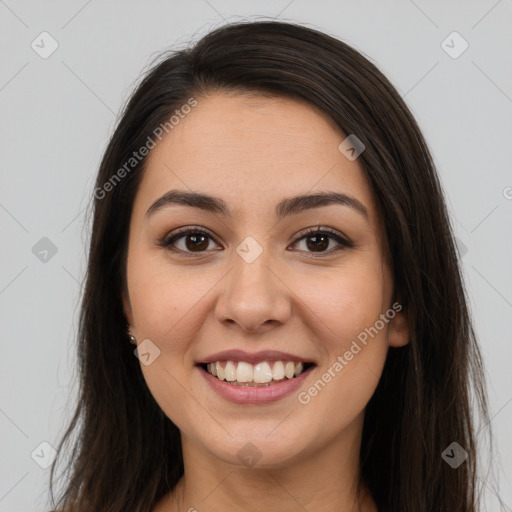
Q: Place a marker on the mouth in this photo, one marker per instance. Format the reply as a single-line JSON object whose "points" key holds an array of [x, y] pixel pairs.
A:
{"points": [[262, 374]]}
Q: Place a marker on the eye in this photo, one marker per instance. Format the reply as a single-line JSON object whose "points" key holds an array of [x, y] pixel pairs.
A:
{"points": [[318, 239], [195, 240]]}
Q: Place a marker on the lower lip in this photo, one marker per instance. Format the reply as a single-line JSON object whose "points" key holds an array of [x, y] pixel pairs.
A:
{"points": [[255, 395]]}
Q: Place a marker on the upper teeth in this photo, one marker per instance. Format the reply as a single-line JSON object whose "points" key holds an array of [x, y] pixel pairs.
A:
{"points": [[260, 373]]}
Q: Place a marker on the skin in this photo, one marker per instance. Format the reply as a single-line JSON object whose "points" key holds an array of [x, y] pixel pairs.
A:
{"points": [[252, 152]]}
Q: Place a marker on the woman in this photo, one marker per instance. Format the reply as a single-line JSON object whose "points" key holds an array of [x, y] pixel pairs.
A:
{"points": [[271, 236]]}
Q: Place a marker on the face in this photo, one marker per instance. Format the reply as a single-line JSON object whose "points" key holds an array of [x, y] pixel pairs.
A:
{"points": [[260, 274]]}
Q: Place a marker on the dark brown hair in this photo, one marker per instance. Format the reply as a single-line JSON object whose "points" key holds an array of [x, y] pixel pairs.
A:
{"points": [[423, 401]]}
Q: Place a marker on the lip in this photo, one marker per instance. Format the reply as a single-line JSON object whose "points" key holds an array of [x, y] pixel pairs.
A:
{"points": [[254, 395], [253, 358]]}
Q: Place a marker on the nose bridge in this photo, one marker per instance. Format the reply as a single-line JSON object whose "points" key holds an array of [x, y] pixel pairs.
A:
{"points": [[253, 295], [252, 267]]}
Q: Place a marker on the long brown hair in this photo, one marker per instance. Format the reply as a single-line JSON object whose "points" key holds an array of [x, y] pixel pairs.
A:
{"points": [[125, 453]]}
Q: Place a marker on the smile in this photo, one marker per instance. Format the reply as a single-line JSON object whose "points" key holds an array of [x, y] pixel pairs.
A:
{"points": [[283, 378], [265, 373]]}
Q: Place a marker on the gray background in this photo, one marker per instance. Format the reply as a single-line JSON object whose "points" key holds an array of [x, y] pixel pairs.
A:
{"points": [[57, 115]]}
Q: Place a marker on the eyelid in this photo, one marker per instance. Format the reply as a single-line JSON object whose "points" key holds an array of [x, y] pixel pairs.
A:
{"points": [[187, 229]]}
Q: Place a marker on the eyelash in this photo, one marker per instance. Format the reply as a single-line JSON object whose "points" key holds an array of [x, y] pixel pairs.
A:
{"points": [[167, 241]]}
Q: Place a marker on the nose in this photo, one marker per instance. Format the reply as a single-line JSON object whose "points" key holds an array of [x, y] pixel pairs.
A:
{"points": [[253, 296]]}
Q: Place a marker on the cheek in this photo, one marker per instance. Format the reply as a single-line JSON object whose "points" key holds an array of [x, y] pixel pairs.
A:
{"points": [[166, 304], [168, 308], [344, 312], [166, 300], [342, 304]]}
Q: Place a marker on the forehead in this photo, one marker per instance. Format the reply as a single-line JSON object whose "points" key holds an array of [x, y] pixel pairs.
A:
{"points": [[252, 151]]}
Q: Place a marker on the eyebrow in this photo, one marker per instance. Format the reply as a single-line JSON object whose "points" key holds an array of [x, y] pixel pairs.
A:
{"points": [[287, 207]]}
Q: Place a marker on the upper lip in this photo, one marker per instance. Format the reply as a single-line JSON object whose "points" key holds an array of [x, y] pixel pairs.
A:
{"points": [[253, 358]]}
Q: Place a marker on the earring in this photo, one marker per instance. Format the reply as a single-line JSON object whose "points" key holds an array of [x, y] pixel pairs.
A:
{"points": [[133, 340]]}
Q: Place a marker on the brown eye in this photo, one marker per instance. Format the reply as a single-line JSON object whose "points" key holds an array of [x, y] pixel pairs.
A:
{"points": [[196, 241], [188, 241], [319, 240]]}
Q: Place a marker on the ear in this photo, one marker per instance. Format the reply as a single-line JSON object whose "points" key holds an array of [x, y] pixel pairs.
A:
{"points": [[399, 332]]}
